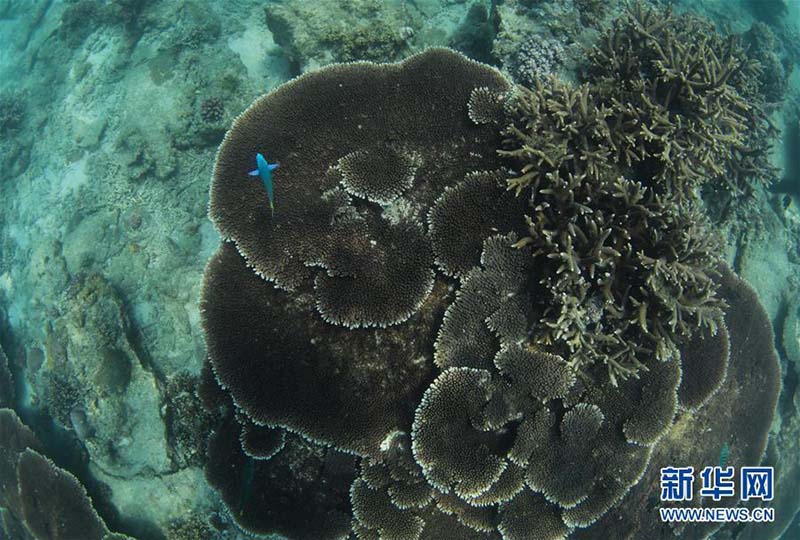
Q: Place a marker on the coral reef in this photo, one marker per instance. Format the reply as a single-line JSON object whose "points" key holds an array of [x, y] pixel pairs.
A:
{"points": [[475, 35], [611, 169], [303, 208], [140, 158], [54, 504], [300, 492], [187, 421], [76, 21], [14, 143], [15, 155], [312, 37], [534, 59], [739, 414], [624, 272], [378, 286], [683, 108], [39, 499], [577, 310], [591, 11], [15, 438], [82, 17], [212, 110], [473, 209], [95, 377], [508, 423], [7, 392], [774, 72], [206, 106], [12, 114], [192, 528]]}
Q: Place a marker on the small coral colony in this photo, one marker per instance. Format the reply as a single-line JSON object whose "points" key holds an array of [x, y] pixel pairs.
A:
{"points": [[476, 309]]}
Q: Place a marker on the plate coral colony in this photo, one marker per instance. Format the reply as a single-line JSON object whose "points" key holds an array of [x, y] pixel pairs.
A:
{"points": [[480, 310]]}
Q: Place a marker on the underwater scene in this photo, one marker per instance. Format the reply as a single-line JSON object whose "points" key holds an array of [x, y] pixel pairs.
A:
{"points": [[399, 269]]}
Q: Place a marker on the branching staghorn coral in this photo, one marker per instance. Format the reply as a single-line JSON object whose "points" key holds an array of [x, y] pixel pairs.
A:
{"points": [[686, 106], [738, 412], [666, 98], [622, 271], [610, 168]]}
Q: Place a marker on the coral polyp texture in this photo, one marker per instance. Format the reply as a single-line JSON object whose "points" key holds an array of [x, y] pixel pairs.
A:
{"points": [[40, 500], [476, 311], [738, 413], [347, 136]]}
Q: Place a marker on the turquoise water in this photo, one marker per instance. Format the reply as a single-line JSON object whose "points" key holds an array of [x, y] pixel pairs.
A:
{"points": [[526, 259]]}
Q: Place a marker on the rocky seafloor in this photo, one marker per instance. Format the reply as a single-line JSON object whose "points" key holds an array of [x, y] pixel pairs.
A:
{"points": [[111, 116]]}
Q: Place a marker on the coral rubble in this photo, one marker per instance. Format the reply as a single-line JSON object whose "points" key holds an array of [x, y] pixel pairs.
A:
{"points": [[95, 377]]}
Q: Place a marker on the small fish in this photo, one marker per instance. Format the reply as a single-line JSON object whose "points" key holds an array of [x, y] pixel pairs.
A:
{"points": [[264, 170], [724, 454]]}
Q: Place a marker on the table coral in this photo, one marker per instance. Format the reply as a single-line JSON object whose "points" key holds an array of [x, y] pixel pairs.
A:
{"points": [[41, 500], [440, 357]]}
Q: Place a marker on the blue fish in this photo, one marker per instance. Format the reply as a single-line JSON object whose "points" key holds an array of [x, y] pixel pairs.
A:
{"points": [[264, 170]]}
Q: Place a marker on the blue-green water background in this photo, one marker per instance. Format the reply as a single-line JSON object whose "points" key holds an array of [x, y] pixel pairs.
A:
{"points": [[110, 116]]}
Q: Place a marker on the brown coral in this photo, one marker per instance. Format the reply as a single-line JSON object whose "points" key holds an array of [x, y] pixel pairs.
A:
{"points": [[212, 110], [624, 273], [472, 210], [328, 382], [557, 367], [385, 280], [685, 107], [379, 174], [55, 505], [281, 495], [738, 414], [39, 499]]}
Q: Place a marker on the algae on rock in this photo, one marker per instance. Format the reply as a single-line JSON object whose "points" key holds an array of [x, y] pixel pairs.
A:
{"points": [[115, 408]]}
